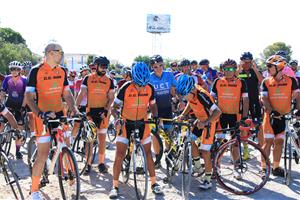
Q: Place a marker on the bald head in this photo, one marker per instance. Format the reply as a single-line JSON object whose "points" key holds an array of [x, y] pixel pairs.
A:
{"points": [[52, 47]]}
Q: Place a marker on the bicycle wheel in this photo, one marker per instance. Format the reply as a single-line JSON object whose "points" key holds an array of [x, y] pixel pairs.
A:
{"points": [[31, 147], [140, 172], [8, 140], [157, 156], [287, 159], [125, 167], [186, 171], [251, 176], [81, 150], [68, 175], [111, 132], [11, 179]]}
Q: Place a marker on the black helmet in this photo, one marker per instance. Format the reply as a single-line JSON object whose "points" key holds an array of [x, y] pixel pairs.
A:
{"points": [[156, 59], [229, 62], [281, 53], [294, 62], [246, 56], [194, 62], [101, 61], [184, 62], [204, 62]]}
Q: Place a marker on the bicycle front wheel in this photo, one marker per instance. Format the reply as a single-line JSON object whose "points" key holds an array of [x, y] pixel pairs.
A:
{"points": [[186, 171], [8, 140], [31, 148], [242, 177], [68, 175], [287, 159], [11, 180], [140, 172]]}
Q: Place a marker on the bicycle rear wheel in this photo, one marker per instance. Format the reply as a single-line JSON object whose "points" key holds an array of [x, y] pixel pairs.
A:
{"points": [[11, 179], [111, 132], [186, 171], [68, 175], [31, 148], [287, 159], [8, 140], [251, 176], [158, 153], [140, 172]]}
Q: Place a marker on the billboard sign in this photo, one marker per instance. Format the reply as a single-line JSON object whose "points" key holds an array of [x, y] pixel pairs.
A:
{"points": [[158, 23]]}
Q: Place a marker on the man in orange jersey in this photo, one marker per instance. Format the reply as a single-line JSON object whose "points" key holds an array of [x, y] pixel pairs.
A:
{"points": [[277, 91], [99, 89], [48, 81]]}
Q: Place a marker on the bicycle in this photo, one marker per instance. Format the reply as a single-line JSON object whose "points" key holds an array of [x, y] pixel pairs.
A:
{"points": [[6, 168], [82, 146], [61, 160], [291, 145], [136, 161], [226, 168]]}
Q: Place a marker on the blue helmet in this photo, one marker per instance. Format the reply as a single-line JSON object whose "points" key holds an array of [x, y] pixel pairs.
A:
{"points": [[140, 74], [185, 84]]}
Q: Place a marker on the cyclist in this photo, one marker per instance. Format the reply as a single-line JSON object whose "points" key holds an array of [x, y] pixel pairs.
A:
{"points": [[139, 90], [174, 68], [209, 74], [277, 92], [26, 68], [93, 68], [14, 85], [249, 73], [294, 66], [206, 113], [112, 75], [72, 79], [49, 82], [194, 67], [164, 88], [126, 74], [99, 89], [231, 94]]}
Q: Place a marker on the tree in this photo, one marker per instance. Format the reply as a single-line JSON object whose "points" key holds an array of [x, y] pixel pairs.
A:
{"points": [[8, 35], [277, 46], [145, 59], [90, 59]]}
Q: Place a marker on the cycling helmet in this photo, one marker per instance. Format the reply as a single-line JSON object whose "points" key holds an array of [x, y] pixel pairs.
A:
{"points": [[185, 84], [230, 62], [194, 62], [204, 62], [113, 72], [278, 61], [90, 131], [72, 73], [84, 67], [127, 71], [156, 59], [184, 62], [294, 62], [15, 64], [101, 61], [27, 64], [246, 56], [140, 74], [281, 53], [173, 64]]}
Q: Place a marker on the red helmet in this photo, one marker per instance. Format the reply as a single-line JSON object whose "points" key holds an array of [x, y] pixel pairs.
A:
{"points": [[72, 73]]}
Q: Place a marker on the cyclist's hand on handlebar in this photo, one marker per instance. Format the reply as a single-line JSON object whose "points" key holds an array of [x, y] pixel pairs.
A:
{"points": [[275, 114], [46, 115]]}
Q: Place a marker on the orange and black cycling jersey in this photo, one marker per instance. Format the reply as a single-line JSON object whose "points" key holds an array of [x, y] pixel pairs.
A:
{"points": [[49, 84], [279, 93], [97, 90], [135, 103], [229, 94], [202, 104]]}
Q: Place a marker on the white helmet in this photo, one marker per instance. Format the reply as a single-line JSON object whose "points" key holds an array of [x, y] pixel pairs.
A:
{"points": [[15, 64], [84, 67]]}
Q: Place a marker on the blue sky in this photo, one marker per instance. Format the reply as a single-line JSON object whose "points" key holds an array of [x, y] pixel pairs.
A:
{"points": [[214, 29]]}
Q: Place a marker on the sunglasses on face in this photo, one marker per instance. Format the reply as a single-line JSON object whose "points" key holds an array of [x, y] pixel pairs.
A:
{"points": [[230, 69], [59, 51], [15, 69], [103, 66], [270, 65]]}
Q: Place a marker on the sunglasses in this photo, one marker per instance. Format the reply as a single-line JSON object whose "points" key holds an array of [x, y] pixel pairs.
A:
{"points": [[229, 69], [15, 69], [59, 51], [103, 66], [270, 65], [159, 66]]}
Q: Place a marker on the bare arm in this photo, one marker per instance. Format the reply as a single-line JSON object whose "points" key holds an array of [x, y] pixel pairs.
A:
{"points": [[111, 97], [11, 120], [266, 104], [30, 96], [154, 110], [70, 100], [82, 93], [258, 74], [186, 110], [245, 106], [215, 115]]}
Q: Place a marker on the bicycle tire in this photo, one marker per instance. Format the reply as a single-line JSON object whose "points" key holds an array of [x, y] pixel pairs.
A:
{"points": [[31, 147], [10, 176], [140, 151], [111, 132], [186, 172], [287, 159], [226, 184], [125, 167], [7, 145], [157, 158], [71, 176]]}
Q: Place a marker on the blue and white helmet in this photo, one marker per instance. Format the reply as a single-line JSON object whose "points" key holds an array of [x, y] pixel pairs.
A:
{"points": [[15, 64], [140, 74], [185, 84]]}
